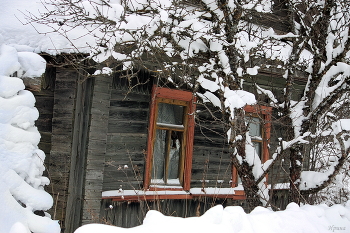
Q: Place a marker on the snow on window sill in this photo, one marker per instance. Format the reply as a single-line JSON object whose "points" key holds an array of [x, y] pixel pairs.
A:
{"points": [[279, 186], [169, 182], [120, 195]]}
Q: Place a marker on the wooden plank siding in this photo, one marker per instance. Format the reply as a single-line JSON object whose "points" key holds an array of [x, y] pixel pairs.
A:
{"points": [[126, 140], [212, 165], [44, 96], [125, 160], [126, 146], [61, 139], [96, 149], [95, 135], [44, 104], [84, 88], [131, 213]]}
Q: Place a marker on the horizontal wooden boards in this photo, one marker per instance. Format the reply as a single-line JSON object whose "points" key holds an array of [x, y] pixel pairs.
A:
{"points": [[124, 162], [130, 214], [126, 140], [129, 126], [128, 113]]}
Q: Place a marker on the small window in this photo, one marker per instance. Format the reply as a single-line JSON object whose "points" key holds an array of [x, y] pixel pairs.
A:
{"points": [[258, 119], [170, 138], [255, 133]]}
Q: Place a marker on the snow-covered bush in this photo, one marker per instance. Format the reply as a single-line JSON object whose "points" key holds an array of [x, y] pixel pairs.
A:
{"points": [[21, 162]]}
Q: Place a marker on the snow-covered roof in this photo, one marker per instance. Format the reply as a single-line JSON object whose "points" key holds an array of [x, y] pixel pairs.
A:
{"points": [[17, 32]]}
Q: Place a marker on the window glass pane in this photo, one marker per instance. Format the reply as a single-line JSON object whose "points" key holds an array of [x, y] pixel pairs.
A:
{"points": [[159, 155], [174, 155], [254, 126], [166, 155], [257, 147], [170, 114]]}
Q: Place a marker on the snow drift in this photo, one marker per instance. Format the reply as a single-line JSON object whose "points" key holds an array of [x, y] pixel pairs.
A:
{"points": [[232, 219]]}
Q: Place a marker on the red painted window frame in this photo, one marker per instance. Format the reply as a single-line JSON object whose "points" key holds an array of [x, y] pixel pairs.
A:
{"points": [[265, 113], [166, 93]]}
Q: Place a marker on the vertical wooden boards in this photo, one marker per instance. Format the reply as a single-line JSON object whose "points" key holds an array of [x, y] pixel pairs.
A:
{"points": [[61, 139], [96, 148], [78, 156]]}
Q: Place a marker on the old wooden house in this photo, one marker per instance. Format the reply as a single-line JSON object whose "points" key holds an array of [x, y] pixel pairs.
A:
{"points": [[114, 152]]}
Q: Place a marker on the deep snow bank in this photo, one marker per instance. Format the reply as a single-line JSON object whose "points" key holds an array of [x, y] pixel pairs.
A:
{"points": [[295, 219]]}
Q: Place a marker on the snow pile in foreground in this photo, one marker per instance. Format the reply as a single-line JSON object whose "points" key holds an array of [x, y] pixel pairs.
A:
{"points": [[232, 219], [21, 162]]}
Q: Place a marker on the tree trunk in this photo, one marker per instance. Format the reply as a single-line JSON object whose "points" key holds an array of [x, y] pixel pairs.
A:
{"points": [[295, 172], [251, 188], [244, 169]]}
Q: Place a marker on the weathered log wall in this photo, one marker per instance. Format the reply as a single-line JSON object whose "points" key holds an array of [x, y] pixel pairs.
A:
{"points": [[81, 125], [61, 139], [96, 149], [130, 214], [127, 140], [95, 138]]}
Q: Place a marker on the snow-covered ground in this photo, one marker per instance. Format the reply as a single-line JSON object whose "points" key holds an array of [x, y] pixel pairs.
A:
{"points": [[295, 219]]}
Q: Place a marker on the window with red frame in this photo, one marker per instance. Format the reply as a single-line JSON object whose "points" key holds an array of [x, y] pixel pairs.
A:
{"points": [[258, 119], [170, 139]]}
